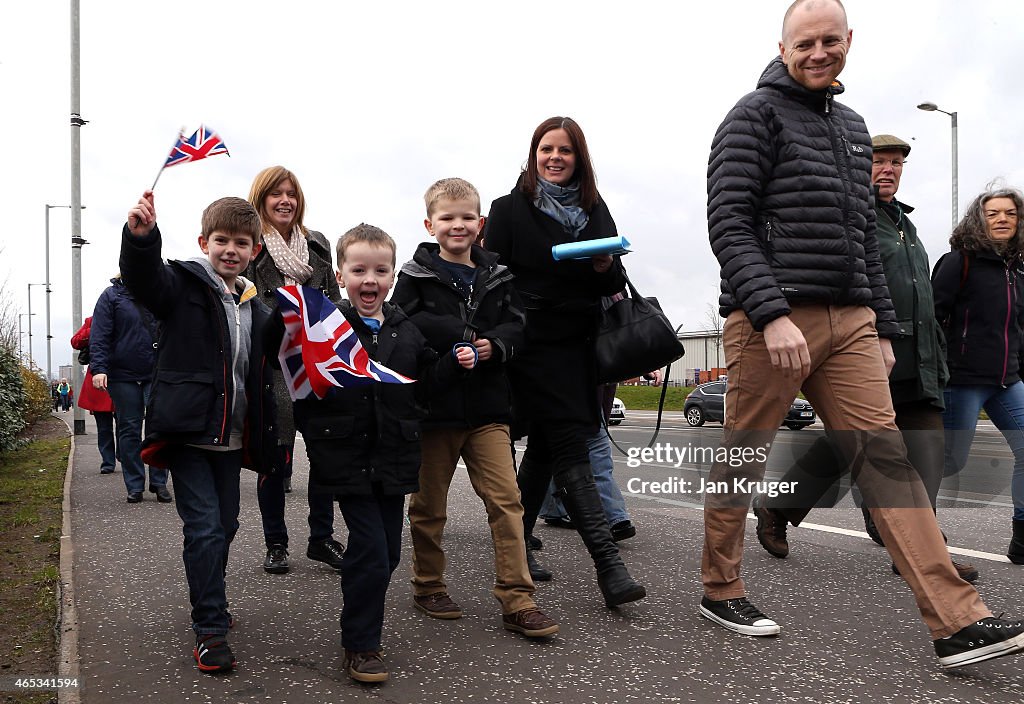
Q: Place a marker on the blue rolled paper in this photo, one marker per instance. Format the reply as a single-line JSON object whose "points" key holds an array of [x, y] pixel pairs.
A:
{"points": [[589, 248]]}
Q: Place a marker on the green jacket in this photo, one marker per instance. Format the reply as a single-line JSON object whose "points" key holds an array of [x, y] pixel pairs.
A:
{"points": [[920, 373]]}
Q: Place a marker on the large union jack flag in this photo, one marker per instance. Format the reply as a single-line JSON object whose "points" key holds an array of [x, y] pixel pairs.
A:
{"points": [[320, 350], [204, 142]]}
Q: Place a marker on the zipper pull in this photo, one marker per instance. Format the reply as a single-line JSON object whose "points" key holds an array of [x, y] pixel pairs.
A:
{"points": [[846, 145], [768, 227], [375, 339], [828, 103]]}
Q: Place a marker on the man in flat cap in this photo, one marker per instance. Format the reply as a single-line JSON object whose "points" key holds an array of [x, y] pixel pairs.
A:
{"points": [[915, 382], [791, 223]]}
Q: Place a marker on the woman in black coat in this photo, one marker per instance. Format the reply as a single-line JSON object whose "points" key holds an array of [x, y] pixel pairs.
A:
{"points": [[553, 379], [291, 254], [979, 300]]}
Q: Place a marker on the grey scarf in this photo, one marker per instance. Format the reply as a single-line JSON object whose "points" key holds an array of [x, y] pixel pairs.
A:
{"points": [[562, 204]]}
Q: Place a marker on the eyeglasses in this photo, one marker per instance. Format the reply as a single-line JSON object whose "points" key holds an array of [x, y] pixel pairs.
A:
{"points": [[882, 163]]}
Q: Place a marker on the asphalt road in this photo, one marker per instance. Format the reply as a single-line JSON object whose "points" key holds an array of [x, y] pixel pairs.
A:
{"points": [[850, 630]]}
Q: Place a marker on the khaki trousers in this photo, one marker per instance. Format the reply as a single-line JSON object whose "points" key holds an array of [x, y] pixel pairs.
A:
{"points": [[487, 452], [848, 387]]}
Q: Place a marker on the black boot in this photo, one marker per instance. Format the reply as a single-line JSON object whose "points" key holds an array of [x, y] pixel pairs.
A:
{"points": [[579, 494], [538, 573], [1016, 551], [533, 479]]}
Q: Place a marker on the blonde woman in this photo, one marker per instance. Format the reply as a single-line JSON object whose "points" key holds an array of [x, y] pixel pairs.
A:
{"points": [[292, 254]]}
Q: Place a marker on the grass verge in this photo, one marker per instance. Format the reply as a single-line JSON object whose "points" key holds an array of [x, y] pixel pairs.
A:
{"points": [[31, 492]]}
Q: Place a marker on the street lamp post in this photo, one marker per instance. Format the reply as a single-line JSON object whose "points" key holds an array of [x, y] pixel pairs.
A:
{"points": [[30, 314], [49, 356], [932, 107], [21, 347]]}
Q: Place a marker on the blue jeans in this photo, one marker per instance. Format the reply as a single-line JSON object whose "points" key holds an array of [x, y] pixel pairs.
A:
{"points": [[600, 448], [130, 399], [270, 495], [373, 552], [1005, 406], [105, 439], [207, 498]]}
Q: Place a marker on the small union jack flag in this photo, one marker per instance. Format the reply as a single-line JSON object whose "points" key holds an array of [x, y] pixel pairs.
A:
{"points": [[204, 142], [320, 350]]}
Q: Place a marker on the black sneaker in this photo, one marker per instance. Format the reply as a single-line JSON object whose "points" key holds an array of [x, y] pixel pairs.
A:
{"points": [[212, 654], [988, 638], [623, 530], [327, 551], [276, 561], [134, 497], [534, 543], [162, 494], [739, 615]]}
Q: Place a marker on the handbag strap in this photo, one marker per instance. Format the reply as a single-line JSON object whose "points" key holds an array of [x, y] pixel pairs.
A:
{"points": [[657, 425]]}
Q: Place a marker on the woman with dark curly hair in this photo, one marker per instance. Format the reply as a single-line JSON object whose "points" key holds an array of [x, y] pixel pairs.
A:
{"points": [[979, 300]]}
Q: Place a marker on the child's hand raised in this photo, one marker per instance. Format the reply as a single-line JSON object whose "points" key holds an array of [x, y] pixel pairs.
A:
{"points": [[142, 217]]}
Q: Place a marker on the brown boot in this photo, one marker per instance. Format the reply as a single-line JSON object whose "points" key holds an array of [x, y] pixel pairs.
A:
{"points": [[532, 623]]}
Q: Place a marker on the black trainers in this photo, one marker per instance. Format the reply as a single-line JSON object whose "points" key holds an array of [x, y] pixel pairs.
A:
{"points": [[162, 494], [134, 497], [212, 654], [534, 543], [327, 551], [276, 561], [739, 615], [623, 530], [988, 638]]}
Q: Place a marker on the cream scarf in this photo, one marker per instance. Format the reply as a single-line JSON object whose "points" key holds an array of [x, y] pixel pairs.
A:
{"points": [[292, 257]]}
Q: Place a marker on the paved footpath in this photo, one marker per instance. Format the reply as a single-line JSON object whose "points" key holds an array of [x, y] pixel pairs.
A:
{"points": [[850, 627]]}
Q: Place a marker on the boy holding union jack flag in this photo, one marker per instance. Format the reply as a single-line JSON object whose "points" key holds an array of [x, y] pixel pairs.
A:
{"points": [[362, 436], [211, 408]]}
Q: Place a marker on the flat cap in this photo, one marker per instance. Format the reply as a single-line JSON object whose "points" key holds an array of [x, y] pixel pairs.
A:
{"points": [[888, 141]]}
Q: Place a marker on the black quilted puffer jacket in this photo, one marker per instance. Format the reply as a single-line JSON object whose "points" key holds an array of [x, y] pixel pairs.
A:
{"points": [[790, 213]]}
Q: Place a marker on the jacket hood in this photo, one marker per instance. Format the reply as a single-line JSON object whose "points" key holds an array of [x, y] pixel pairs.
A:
{"points": [[776, 75], [202, 268]]}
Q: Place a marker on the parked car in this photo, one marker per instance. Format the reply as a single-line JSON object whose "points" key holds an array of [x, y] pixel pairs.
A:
{"points": [[618, 412], [707, 403]]}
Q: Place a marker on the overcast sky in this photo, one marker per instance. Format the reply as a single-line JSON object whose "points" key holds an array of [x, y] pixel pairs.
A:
{"points": [[369, 103]]}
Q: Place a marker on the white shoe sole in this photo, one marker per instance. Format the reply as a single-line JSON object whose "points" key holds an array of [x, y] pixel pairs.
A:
{"points": [[996, 650], [769, 629]]}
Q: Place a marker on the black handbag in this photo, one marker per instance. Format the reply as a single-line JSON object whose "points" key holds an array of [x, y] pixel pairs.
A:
{"points": [[634, 337]]}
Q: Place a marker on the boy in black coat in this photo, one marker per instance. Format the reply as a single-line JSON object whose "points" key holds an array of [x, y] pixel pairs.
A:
{"points": [[363, 441], [456, 292], [211, 410]]}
